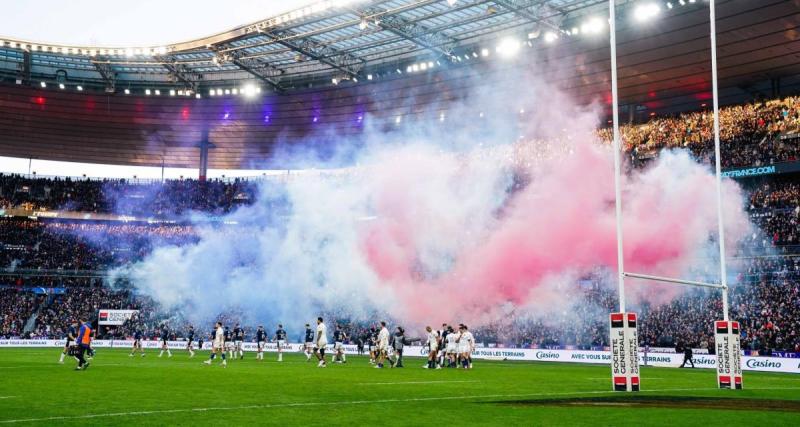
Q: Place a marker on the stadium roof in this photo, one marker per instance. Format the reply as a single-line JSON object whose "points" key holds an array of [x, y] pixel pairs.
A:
{"points": [[331, 39]]}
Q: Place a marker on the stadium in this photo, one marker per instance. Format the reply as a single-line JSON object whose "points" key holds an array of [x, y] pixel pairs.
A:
{"points": [[542, 212]]}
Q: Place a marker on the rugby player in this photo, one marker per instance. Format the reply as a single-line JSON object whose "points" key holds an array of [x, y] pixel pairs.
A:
{"points": [[261, 338], [338, 345], [451, 346], [466, 344], [228, 336], [190, 340], [433, 345], [218, 344], [372, 340], [320, 343], [164, 339], [71, 337], [309, 342], [238, 339], [137, 342], [382, 345], [280, 340]]}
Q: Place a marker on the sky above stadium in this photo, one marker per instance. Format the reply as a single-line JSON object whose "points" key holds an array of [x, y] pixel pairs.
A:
{"points": [[137, 23]]}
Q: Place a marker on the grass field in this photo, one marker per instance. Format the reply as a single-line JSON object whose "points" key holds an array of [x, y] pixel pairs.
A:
{"points": [[116, 389]]}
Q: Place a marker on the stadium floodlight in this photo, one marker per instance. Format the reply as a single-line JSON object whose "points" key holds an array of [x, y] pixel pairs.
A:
{"points": [[42, 84], [227, 91], [415, 68], [398, 71], [592, 26], [550, 37], [147, 92], [129, 52], [158, 92], [79, 87], [441, 117], [408, 69], [180, 92], [234, 91], [575, 31], [335, 81], [197, 96], [172, 92], [127, 91], [61, 86], [423, 66], [646, 12], [669, 5], [398, 120], [484, 52], [258, 89], [369, 76], [249, 90], [430, 64], [452, 2], [363, 24], [508, 47], [682, 2], [211, 92]]}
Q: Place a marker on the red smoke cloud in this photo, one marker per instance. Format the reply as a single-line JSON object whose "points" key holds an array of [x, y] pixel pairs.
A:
{"points": [[562, 222]]}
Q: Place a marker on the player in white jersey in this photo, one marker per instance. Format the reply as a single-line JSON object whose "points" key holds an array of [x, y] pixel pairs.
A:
{"points": [[382, 345], [433, 346], [466, 344], [451, 346], [321, 340], [218, 345]]}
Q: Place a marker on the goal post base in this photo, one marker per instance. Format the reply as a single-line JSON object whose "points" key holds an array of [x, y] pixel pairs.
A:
{"points": [[624, 344], [727, 344]]}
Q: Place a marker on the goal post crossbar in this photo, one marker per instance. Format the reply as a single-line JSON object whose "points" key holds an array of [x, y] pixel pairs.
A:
{"points": [[672, 280]]}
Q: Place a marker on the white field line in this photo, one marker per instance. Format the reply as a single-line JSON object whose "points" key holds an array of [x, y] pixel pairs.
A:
{"points": [[350, 402]]}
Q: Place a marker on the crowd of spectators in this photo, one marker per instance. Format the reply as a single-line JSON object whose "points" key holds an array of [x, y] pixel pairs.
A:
{"points": [[125, 197], [754, 134]]}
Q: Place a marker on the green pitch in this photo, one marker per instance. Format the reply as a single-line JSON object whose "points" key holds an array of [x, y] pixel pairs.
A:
{"points": [[117, 389]]}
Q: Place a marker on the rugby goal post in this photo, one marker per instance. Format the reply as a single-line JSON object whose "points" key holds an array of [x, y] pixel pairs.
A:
{"points": [[624, 342]]}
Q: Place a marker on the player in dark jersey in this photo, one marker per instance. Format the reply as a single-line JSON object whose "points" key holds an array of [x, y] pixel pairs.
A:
{"points": [[372, 340], [72, 333], [137, 342], [228, 342], [280, 341], [164, 339], [238, 340], [190, 341], [261, 339], [338, 345], [309, 342], [446, 330]]}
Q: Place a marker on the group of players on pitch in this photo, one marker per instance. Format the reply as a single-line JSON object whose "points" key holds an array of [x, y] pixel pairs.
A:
{"points": [[447, 347], [450, 346]]}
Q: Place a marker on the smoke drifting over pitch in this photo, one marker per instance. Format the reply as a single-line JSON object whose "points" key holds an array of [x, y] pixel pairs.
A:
{"points": [[448, 219]]}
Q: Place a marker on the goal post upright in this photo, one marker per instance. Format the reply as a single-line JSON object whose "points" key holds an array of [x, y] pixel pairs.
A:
{"points": [[624, 340]]}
